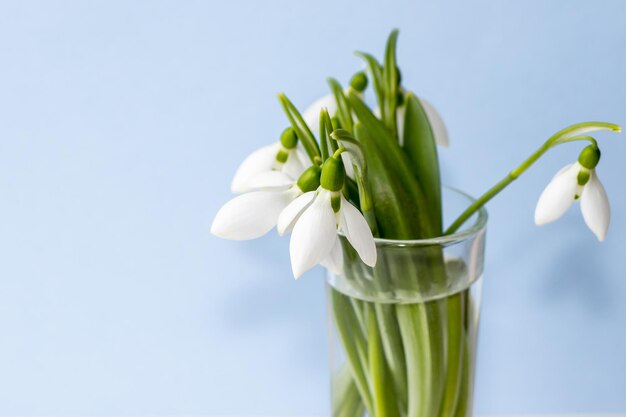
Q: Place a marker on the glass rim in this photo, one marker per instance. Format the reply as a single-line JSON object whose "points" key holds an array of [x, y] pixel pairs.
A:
{"points": [[476, 227]]}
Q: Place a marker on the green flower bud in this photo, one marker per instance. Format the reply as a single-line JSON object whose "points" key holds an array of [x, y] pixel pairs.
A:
{"points": [[589, 157], [333, 174], [359, 81], [336, 122], [282, 156], [288, 138], [310, 179], [583, 177]]}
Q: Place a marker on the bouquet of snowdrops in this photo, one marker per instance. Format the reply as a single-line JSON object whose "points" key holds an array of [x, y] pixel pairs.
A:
{"points": [[344, 177]]}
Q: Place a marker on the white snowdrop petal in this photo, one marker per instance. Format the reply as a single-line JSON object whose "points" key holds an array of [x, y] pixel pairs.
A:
{"points": [[292, 212], [558, 196], [294, 166], [347, 163], [249, 215], [258, 161], [334, 260], [594, 204], [313, 235], [312, 113], [436, 123], [268, 180], [357, 231]]}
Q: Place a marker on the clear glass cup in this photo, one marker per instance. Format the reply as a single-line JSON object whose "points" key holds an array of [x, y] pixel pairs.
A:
{"points": [[403, 334]]}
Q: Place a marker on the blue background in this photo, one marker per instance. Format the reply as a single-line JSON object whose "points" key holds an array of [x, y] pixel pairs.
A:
{"points": [[121, 124]]}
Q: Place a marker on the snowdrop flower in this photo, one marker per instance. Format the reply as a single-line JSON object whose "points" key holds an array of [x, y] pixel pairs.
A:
{"points": [[317, 217], [283, 156], [577, 181], [253, 214]]}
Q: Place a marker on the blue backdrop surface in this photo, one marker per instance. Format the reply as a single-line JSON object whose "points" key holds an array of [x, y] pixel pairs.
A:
{"points": [[121, 124]]}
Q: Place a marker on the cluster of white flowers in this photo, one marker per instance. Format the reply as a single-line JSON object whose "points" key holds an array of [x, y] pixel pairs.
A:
{"points": [[278, 186]]}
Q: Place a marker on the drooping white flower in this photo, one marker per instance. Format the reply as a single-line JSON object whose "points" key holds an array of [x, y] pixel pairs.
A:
{"points": [[284, 156], [253, 214], [316, 218], [576, 182]]}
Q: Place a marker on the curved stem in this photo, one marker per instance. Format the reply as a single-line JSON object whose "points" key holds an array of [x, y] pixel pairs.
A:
{"points": [[569, 134]]}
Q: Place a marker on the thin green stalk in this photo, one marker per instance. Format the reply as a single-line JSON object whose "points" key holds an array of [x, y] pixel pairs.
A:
{"points": [[394, 351], [358, 307], [341, 384], [454, 362], [569, 134], [346, 400], [353, 344], [384, 404], [413, 322], [467, 358]]}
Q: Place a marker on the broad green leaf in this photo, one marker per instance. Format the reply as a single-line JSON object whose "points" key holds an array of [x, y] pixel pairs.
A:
{"points": [[371, 122], [421, 148], [395, 193]]}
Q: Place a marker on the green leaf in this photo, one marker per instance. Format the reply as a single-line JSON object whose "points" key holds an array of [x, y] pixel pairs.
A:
{"points": [[376, 73], [372, 123], [420, 146], [324, 139], [299, 125], [390, 77], [343, 107], [395, 193]]}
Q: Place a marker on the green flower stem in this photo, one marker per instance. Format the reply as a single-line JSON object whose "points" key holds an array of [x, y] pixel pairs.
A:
{"points": [[413, 322], [357, 306], [454, 365], [394, 351], [569, 134], [391, 339], [385, 405], [437, 320], [341, 383], [347, 402], [466, 369], [353, 343]]}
